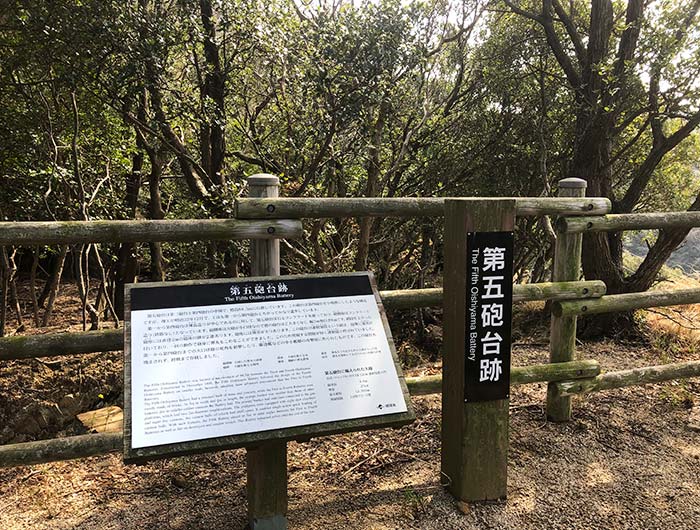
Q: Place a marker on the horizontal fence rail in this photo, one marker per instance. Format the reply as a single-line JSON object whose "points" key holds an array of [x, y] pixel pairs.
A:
{"points": [[53, 344], [296, 208], [411, 298], [55, 449], [519, 375], [96, 444], [629, 221], [74, 232], [626, 302], [633, 377]]}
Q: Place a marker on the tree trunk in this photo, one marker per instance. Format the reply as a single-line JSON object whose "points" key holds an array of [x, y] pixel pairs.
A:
{"points": [[602, 253], [14, 300], [4, 288], [46, 289], [212, 144], [54, 283], [602, 77], [666, 243], [156, 212], [127, 263], [32, 286], [372, 188], [126, 272], [195, 176], [82, 272]]}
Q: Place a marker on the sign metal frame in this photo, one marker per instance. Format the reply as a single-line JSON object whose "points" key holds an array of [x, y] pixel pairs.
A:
{"points": [[253, 439]]}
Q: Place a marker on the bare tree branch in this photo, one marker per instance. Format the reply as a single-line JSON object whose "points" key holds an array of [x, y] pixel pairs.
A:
{"points": [[666, 243], [522, 12], [574, 35], [547, 22], [646, 170], [628, 40]]}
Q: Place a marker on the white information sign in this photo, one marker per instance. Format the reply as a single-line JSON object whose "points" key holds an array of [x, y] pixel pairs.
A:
{"points": [[270, 354]]}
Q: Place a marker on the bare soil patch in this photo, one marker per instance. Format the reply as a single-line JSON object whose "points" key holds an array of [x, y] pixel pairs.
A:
{"points": [[41, 397]]}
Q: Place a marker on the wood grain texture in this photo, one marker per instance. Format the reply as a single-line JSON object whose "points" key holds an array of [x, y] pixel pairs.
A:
{"points": [[68, 448], [412, 298], [266, 464], [633, 377], [474, 435], [72, 232], [315, 208], [129, 456], [628, 221], [520, 375], [267, 486], [562, 340], [52, 344], [626, 302]]}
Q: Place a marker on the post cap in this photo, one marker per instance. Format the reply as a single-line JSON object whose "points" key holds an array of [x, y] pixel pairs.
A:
{"points": [[573, 182], [263, 179]]}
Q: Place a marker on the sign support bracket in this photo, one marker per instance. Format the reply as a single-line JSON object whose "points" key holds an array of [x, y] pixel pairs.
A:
{"points": [[266, 464]]}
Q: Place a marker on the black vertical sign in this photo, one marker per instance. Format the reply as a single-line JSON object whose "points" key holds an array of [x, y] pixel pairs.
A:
{"points": [[489, 316]]}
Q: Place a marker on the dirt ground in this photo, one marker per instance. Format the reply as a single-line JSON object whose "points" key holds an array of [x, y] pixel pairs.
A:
{"points": [[627, 460]]}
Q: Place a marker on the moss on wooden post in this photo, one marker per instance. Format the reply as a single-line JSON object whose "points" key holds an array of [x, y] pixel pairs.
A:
{"points": [[267, 464], [410, 298], [567, 267], [69, 232], [520, 375], [616, 303], [629, 221], [70, 447], [317, 207], [474, 454], [636, 376], [52, 344]]}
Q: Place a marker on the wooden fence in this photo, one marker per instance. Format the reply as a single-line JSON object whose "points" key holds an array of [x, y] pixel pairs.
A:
{"points": [[267, 218]]}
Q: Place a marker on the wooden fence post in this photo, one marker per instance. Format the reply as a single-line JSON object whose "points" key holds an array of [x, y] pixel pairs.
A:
{"points": [[474, 454], [267, 464], [566, 267]]}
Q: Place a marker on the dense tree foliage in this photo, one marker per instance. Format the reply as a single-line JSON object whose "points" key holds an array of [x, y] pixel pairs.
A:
{"points": [[632, 70], [161, 108]]}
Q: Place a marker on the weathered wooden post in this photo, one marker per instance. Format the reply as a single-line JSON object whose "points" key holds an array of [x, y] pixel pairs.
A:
{"points": [[267, 464], [566, 267], [474, 433]]}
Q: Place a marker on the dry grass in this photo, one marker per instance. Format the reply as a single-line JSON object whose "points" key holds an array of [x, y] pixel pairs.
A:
{"points": [[676, 327]]}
